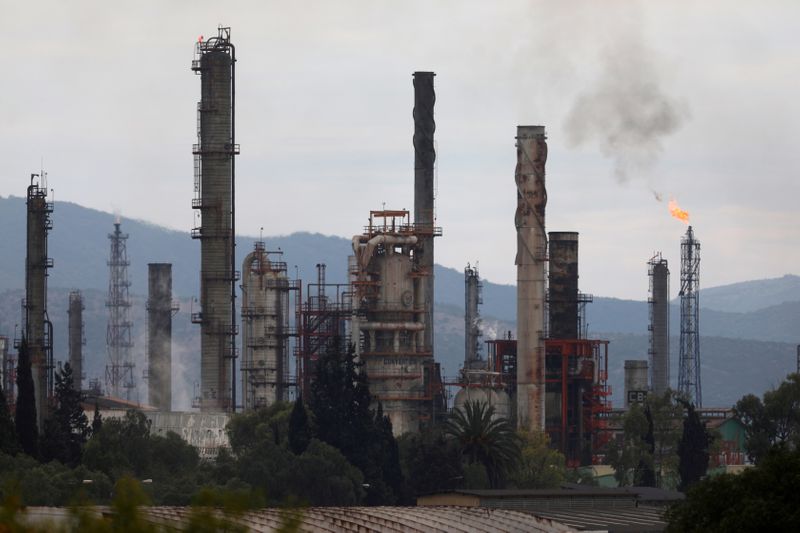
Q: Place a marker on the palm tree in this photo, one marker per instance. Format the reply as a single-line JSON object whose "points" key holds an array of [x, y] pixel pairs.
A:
{"points": [[485, 439]]}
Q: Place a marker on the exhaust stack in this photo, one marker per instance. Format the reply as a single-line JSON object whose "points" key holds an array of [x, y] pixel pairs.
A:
{"points": [[530, 261], [159, 335], [424, 158]]}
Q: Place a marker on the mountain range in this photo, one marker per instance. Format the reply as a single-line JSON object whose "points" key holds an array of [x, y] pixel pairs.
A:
{"points": [[749, 330]]}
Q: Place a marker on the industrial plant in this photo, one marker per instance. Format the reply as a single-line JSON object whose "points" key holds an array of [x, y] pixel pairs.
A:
{"points": [[550, 376]]}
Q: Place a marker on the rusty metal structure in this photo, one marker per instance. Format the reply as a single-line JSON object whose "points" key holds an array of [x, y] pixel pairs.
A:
{"points": [[472, 318], [37, 328], [576, 368], [658, 303], [160, 310], [531, 258], [214, 202], [265, 328], [321, 323], [689, 384], [77, 339], [388, 323], [119, 370]]}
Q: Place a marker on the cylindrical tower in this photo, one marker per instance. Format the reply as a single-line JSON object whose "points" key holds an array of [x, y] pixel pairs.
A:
{"points": [[159, 335], [265, 324], [38, 328], [635, 382], [390, 336], [472, 330], [424, 217], [530, 261], [659, 325], [563, 290], [215, 201], [76, 338]]}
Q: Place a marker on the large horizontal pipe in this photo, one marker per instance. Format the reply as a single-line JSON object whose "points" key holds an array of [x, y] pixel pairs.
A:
{"points": [[392, 326]]}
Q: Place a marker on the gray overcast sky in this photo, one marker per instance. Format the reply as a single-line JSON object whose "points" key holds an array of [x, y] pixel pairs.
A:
{"points": [[696, 100]]}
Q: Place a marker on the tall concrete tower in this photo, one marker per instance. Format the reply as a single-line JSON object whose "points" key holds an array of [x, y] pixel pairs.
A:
{"points": [[76, 338], [214, 186], [424, 217], [37, 326], [159, 335], [659, 324], [530, 261]]}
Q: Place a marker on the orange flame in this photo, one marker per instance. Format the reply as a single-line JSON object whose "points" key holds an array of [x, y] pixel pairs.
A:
{"points": [[677, 212]]}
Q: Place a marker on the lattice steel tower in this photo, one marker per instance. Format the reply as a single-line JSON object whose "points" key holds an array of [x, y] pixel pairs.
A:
{"points": [[119, 371], [689, 361]]}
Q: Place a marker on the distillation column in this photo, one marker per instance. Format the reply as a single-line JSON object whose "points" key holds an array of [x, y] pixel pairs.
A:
{"points": [[214, 200], [424, 217], [159, 335], [38, 328], [659, 324], [76, 338], [530, 261], [265, 324], [472, 320]]}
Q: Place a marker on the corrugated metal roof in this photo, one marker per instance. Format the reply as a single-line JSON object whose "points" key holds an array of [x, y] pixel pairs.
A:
{"points": [[382, 519]]}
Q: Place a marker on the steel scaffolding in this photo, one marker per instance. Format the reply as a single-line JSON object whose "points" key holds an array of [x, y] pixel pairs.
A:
{"points": [[119, 370], [689, 362]]}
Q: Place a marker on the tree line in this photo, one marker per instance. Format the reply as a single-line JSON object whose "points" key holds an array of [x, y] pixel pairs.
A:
{"points": [[335, 447]]}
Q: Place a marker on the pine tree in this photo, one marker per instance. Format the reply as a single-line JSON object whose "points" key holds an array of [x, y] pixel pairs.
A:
{"points": [[340, 402], [692, 448], [25, 417], [646, 470], [299, 429], [97, 420], [67, 428], [8, 434]]}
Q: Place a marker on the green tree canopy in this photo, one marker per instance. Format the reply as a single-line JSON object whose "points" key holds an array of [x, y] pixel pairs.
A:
{"points": [[341, 404], [692, 448], [540, 467], [25, 417], [763, 498], [67, 428], [8, 433], [775, 420], [485, 439]]}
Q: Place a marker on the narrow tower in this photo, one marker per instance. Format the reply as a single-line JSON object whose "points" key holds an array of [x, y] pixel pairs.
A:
{"points": [[214, 188], [424, 217], [159, 335], [119, 370], [530, 261], [659, 324], [76, 338], [265, 328], [38, 328], [472, 319], [689, 365]]}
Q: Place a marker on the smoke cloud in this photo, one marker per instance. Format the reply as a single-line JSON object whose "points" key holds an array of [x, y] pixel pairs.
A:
{"points": [[625, 111]]}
